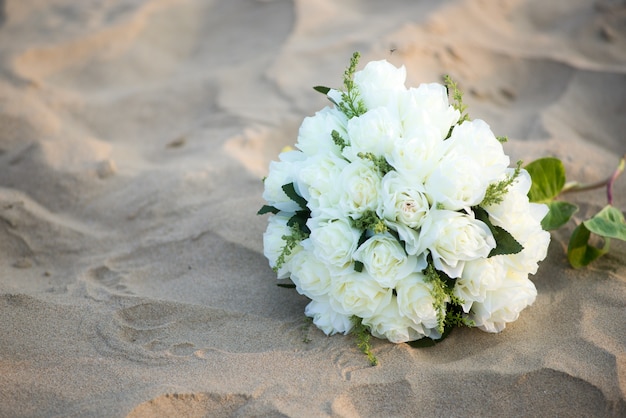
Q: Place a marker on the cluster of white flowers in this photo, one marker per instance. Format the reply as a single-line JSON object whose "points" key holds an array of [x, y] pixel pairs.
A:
{"points": [[391, 211]]}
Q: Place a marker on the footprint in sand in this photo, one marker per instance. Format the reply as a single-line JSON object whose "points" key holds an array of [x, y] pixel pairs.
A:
{"points": [[191, 404], [102, 282], [157, 330]]}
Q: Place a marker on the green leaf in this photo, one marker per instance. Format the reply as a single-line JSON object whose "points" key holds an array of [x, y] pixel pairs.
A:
{"points": [[286, 285], [558, 215], [609, 223], [268, 209], [358, 266], [429, 342], [548, 175], [299, 219], [290, 191], [579, 252], [321, 89], [505, 243]]}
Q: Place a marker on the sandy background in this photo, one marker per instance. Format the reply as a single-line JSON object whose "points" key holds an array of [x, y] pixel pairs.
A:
{"points": [[133, 136]]}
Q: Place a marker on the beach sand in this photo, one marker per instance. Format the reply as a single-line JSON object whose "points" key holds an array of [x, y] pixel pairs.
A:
{"points": [[133, 139]]}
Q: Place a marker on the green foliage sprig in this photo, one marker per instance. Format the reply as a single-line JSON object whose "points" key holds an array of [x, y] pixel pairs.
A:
{"points": [[548, 185], [457, 96], [380, 163], [351, 103], [440, 293], [291, 241], [338, 140], [496, 191], [447, 304], [362, 334], [369, 220]]}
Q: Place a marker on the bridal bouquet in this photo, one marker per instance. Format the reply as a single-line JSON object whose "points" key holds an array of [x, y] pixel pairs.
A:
{"points": [[399, 216]]}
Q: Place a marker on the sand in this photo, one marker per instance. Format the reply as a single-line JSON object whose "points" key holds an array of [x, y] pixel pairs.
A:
{"points": [[133, 137]]}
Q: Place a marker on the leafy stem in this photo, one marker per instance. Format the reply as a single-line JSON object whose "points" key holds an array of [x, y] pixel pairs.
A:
{"points": [[608, 183], [548, 183]]}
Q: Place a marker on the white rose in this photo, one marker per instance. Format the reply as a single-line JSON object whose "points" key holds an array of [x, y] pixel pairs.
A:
{"points": [[411, 239], [280, 173], [373, 132], [417, 156], [478, 278], [415, 301], [474, 140], [522, 220], [379, 82], [318, 181], [535, 250], [326, 318], [310, 275], [314, 135], [404, 201], [273, 244], [503, 304], [385, 259], [426, 106], [359, 183], [456, 183], [357, 294], [390, 324], [334, 242], [454, 238]]}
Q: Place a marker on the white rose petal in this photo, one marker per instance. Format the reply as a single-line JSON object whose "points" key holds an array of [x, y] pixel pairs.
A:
{"points": [[334, 241], [374, 132], [415, 301], [385, 259], [318, 181], [522, 220], [326, 318], [359, 183], [311, 276], [479, 277], [390, 324], [454, 238], [416, 157], [280, 173], [314, 135], [412, 242], [403, 200], [358, 294], [426, 107], [474, 140], [273, 244], [503, 305], [378, 82], [456, 183]]}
